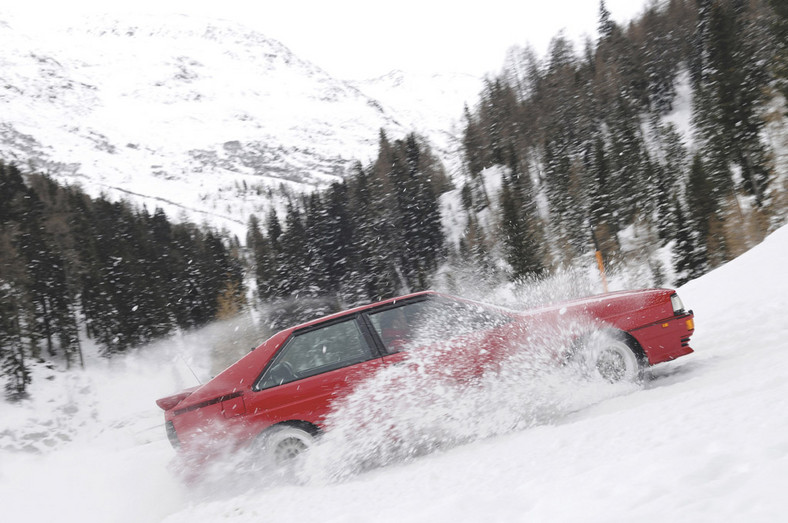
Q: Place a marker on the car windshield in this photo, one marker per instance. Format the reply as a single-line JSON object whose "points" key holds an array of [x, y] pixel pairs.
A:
{"points": [[432, 320]]}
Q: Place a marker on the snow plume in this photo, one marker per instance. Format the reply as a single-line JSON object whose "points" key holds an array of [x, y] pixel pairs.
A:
{"points": [[85, 430], [71, 406], [563, 283], [490, 287], [429, 403]]}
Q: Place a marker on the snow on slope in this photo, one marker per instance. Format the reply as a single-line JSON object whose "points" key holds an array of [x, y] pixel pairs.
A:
{"points": [[704, 439], [432, 104], [195, 116]]}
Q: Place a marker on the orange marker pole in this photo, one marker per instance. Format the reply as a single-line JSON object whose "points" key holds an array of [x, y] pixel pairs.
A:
{"points": [[599, 261], [601, 266]]}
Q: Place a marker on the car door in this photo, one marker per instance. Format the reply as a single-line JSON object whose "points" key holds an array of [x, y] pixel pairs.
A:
{"points": [[313, 369]]}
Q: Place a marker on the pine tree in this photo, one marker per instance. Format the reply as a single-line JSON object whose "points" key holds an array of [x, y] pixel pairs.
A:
{"points": [[292, 261], [602, 207], [338, 237], [702, 208], [473, 145], [689, 254], [521, 249], [13, 276], [606, 26], [628, 162], [779, 29], [263, 256], [189, 303], [418, 214], [51, 298], [662, 58], [373, 276], [13, 364], [317, 232], [274, 229], [728, 95]]}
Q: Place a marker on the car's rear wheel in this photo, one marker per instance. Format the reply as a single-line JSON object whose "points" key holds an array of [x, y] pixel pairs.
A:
{"points": [[614, 357], [285, 443]]}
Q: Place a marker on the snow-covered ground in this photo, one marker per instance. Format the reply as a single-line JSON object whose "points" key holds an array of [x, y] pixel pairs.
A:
{"points": [[704, 439]]}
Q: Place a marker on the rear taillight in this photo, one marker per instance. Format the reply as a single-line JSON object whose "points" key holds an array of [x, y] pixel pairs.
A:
{"points": [[172, 435]]}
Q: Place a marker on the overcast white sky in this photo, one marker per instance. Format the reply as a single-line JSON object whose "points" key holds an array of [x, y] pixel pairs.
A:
{"points": [[364, 38]]}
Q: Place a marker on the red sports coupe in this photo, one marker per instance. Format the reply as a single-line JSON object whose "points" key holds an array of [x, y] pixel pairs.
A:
{"points": [[279, 395]]}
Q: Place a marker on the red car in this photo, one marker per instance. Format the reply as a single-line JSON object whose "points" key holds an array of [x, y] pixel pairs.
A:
{"points": [[280, 394]]}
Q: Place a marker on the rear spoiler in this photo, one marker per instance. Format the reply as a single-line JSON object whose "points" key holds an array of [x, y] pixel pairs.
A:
{"points": [[169, 402]]}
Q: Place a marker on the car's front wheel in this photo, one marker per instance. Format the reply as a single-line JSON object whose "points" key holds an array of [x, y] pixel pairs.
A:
{"points": [[614, 358]]}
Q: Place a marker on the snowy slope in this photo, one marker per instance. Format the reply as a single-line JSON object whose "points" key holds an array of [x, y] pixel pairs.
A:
{"points": [[201, 117], [431, 104], [704, 439]]}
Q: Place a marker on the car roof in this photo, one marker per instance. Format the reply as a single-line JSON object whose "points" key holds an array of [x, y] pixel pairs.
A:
{"points": [[354, 310]]}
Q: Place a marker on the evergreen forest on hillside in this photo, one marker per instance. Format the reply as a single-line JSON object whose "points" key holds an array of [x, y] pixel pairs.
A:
{"points": [[70, 262], [589, 151], [563, 155]]}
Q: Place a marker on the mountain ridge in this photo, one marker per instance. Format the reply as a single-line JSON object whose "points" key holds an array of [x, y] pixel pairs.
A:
{"points": [[212, 117]]}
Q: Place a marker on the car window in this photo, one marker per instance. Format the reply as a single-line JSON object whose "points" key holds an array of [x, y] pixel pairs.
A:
{"points": [[316, 351], [432, 320], [397, 327]]}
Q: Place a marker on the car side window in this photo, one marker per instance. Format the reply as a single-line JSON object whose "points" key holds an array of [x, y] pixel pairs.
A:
{"points": [[431, 321], [396, 327], [316, 351]]}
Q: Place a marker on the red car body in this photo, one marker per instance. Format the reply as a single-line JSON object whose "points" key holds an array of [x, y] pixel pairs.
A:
{"points": [[260, 392]]}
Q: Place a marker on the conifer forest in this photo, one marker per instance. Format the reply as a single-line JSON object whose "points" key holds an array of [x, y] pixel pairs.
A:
{"points": [[576, 144]]}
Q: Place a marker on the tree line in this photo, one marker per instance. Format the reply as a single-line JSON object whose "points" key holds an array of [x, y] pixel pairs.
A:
{"points": [[72, 264]]}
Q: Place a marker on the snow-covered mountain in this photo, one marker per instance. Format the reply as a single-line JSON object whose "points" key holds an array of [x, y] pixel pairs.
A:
{"points": [[201, 117]]}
